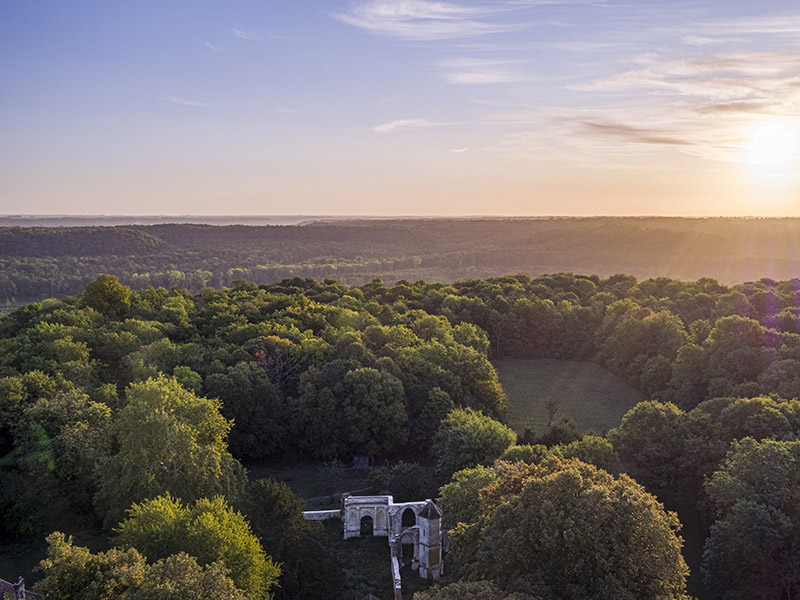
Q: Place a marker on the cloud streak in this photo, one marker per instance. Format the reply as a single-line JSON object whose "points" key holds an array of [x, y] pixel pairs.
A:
{"points": [[428, 20], [631, 134], [481, 71], [246, 34], [754, 80], [406, 124], [707, 82], [187, 102]]}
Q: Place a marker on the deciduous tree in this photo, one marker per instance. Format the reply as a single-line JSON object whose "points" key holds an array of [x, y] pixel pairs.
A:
{"points": [[208, 530], [567, 530], [170, 440], [467, 438]]}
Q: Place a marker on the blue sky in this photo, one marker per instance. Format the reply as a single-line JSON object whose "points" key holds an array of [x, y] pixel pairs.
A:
{"points": [[509, 107]]}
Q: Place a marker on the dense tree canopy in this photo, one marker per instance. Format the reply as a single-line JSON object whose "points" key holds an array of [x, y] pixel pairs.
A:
{"points": [[753, 551], [208, 530], [567, 530], [105, 404], [107, 296], [74, 572], [309, 569], [170, 440], [470, 590], [467, 438]]}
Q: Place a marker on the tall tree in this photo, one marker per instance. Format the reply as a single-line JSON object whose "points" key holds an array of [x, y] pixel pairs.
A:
{"points": [[107, 296], [567, 530], [753, 550], [74, 572], [467, 438], [208, 530], [170, 440]]}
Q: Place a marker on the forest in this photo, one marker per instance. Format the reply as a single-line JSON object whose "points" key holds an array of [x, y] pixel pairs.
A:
{"points": [[138, 411], [53, 261]]}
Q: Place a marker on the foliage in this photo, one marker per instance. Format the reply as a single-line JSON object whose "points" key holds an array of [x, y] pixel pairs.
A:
{"points": [[562, 431], [526, 453], [41, 262], [74, 572], [649, 443], [752, 550], [208, 530], [107, 296], [58, 442], [309, 569], [470, 590], [564, 529], [373, 411], [404, 481], [671, 451], [593, 450], [170, 440], [106, 403], [460, 499], [467, 438], [180, 577]]}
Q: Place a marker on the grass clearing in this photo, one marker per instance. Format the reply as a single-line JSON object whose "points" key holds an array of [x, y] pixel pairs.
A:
{"points": [[594, 398]]}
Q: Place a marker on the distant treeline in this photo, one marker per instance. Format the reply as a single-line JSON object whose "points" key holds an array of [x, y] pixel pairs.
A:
{"points": [[42, 262]]}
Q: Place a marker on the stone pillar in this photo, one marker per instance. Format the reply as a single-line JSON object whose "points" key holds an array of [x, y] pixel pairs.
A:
{"points": [[430, 541]]}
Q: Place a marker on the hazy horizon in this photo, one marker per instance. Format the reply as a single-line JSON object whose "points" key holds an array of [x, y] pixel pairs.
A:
{"points": [[401, 108], [372, 217]]}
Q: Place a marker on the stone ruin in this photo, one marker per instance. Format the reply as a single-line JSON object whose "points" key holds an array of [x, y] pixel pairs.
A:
{"points": [[404, 523]]}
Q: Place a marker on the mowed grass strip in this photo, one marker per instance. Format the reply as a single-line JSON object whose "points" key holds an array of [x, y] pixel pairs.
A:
{"points": [[594, 398]]}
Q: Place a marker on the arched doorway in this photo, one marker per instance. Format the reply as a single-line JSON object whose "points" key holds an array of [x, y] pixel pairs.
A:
{"points": [[367, 525], [406, 554], [409, 518]]}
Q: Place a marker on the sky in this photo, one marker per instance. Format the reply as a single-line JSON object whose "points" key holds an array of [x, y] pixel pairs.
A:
{"points": [[400, 107]]}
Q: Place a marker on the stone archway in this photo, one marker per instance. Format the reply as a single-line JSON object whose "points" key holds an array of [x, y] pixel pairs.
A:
{"points": [[407, 553], [409, 518], [367, 525]]}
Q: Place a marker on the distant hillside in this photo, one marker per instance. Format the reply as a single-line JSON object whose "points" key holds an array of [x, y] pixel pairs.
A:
{"points": [[55, 261], [78, 242]]}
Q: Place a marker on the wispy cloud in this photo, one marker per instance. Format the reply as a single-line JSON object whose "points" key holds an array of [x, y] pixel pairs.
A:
{"points": [[771, 78], [696, 95], [213, 48], [696, 40], [247, 34], [258, 36], [401, 124], [770, 24], [629, 133], [481, 71], [427, 20], [758, 106], [187, 102], [459, 150]]}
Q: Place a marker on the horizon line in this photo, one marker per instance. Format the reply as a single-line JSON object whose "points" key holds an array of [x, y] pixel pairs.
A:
{"points": [[379, 216]]}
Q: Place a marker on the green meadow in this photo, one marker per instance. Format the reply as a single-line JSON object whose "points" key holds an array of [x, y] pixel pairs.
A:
{"points": [[594, 398]]}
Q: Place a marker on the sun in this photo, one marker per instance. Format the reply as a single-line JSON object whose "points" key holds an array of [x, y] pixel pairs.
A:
{"points": [[770, 151], [771, 143]]}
